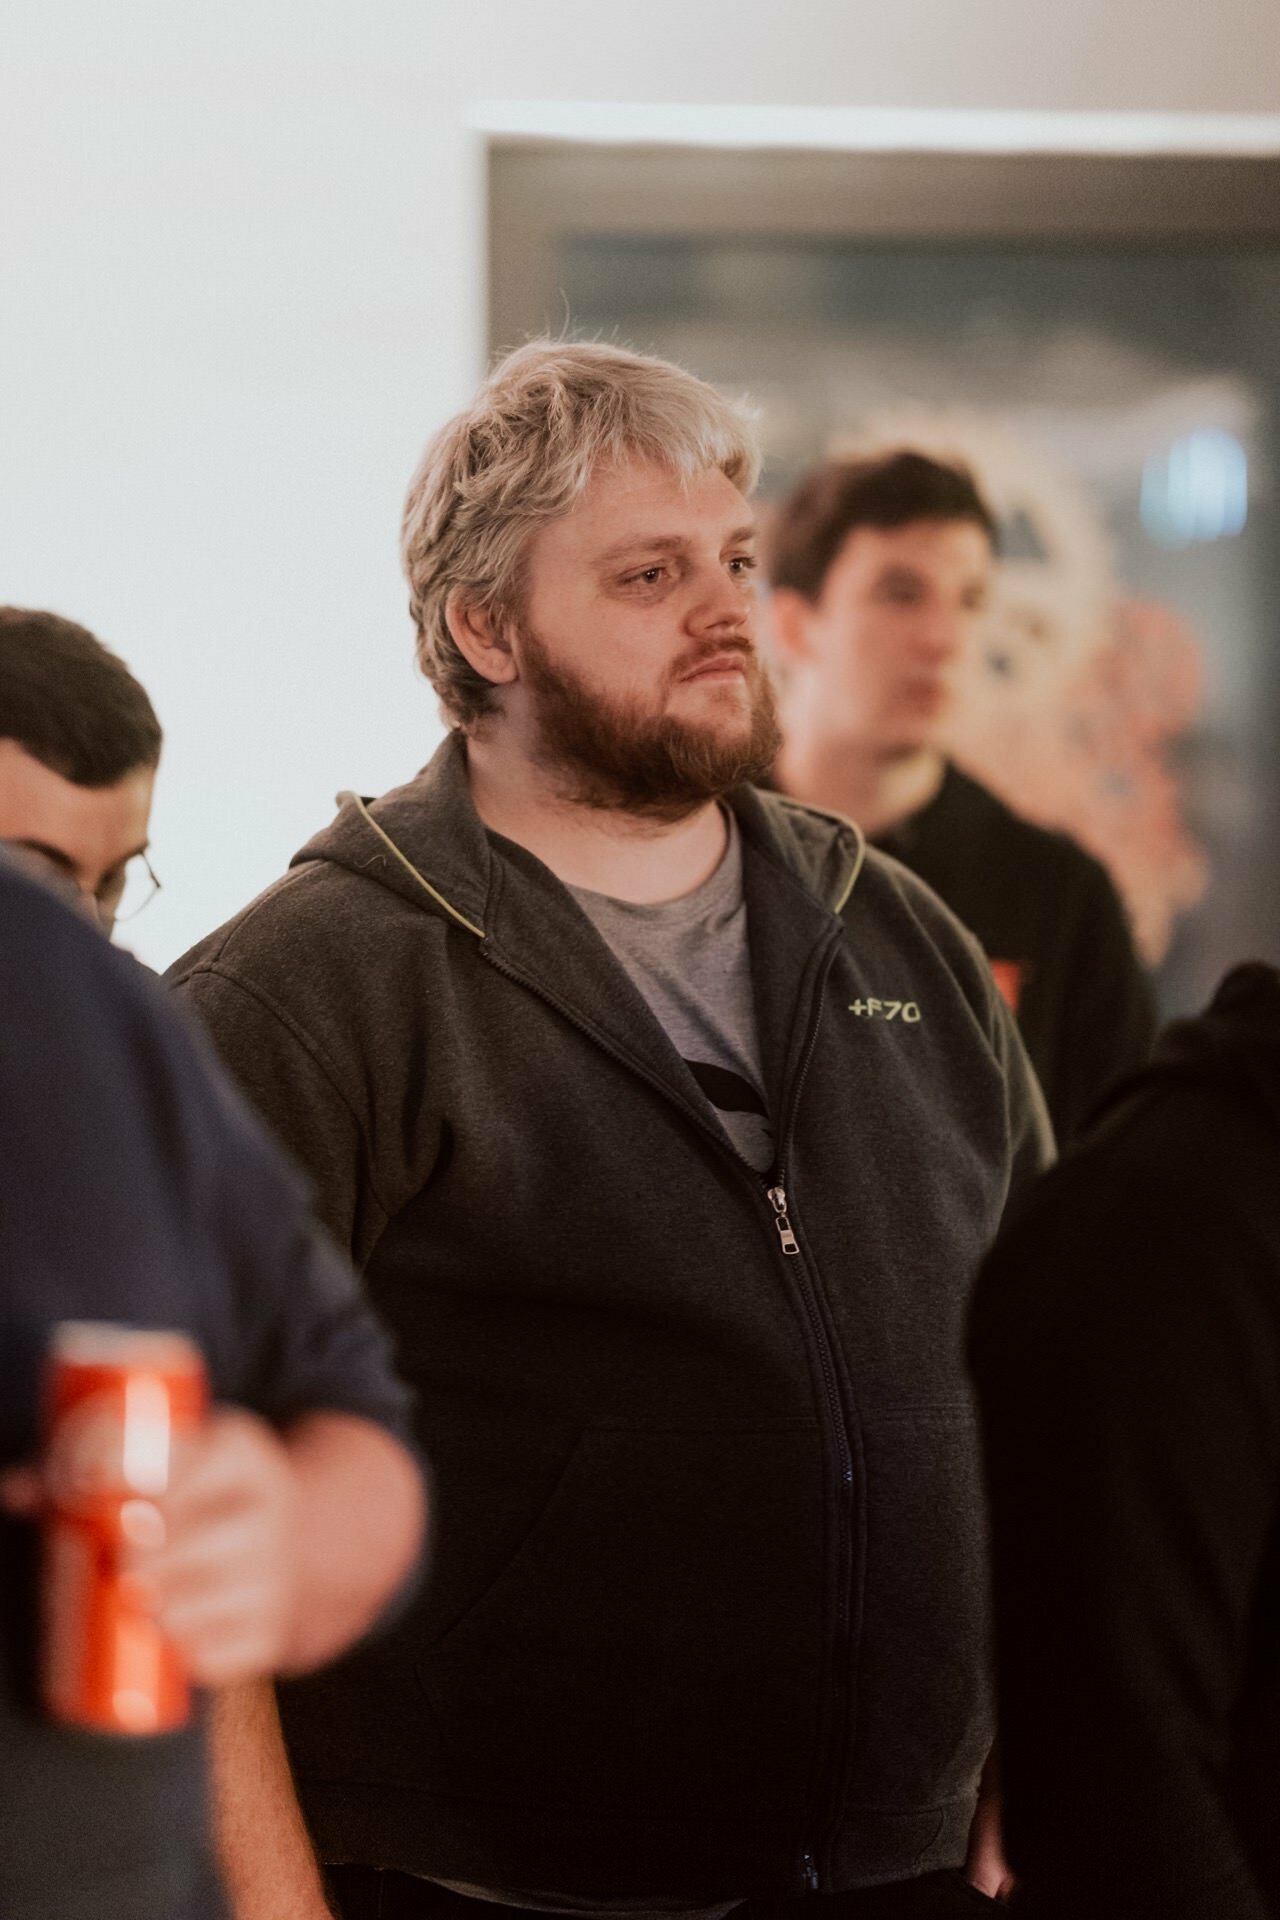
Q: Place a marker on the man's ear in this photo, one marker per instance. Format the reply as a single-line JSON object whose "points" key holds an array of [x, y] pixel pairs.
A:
{"points": [[479, 637], [790, 615]]}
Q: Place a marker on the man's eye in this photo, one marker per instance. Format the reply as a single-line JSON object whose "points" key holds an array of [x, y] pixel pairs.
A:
{"points": [[744, 563], [647, 577]]}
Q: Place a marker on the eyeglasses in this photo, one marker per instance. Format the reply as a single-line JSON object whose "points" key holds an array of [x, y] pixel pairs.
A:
{"points": [[119, 899], [124, 898]]}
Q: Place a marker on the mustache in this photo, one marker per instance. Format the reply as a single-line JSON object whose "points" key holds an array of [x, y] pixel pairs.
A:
{"points": [[713, 650]]}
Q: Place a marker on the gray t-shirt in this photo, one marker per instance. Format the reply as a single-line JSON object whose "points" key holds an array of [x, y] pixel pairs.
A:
{"points": [[690, 960]]}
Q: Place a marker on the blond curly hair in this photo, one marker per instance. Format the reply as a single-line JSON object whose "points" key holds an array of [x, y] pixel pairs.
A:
{"points": [[522, 454]]}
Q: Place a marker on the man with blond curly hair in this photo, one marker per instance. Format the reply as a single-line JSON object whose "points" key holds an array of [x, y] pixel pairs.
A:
{"points": [[668, 1124]]}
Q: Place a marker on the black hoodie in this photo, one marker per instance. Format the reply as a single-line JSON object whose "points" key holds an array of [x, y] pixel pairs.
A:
{"points": [[707, 1613], [1126, 1345]]}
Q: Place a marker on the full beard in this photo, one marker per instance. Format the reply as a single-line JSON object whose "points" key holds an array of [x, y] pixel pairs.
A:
{"points": [[613, 756]]}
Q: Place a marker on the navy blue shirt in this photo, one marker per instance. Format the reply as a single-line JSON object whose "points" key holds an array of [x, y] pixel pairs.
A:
{"points": [[135, 1186]]}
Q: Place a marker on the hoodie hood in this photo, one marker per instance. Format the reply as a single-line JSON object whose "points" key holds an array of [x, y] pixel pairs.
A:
{"points": [[423, 840], [1234, 1043], [426, 842]]}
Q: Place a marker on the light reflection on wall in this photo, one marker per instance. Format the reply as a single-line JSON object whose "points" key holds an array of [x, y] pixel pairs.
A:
{"points": [[1198, 489]]}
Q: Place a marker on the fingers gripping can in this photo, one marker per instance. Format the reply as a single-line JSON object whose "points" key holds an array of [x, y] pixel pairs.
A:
{"points": [[117, 1400]]}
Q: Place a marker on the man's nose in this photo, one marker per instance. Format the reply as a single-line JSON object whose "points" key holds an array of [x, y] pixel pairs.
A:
{"points": [[941, 635], [723, 604]]}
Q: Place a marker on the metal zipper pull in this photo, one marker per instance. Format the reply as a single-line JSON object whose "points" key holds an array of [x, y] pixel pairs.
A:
{"points": [[778, 1201], [809, 1872]]}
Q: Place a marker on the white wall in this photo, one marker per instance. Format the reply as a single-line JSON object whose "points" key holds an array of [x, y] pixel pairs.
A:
{"points": [[241, 250]]}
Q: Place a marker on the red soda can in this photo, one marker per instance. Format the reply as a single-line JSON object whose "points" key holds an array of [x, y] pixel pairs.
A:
{"points": [[116, 1401]]}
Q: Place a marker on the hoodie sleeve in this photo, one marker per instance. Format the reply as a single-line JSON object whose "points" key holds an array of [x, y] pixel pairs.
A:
{"points": [[299, 1092]]}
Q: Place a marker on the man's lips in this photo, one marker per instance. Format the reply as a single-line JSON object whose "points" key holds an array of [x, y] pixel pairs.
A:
{"points": [[928, 693], [720, 666]]}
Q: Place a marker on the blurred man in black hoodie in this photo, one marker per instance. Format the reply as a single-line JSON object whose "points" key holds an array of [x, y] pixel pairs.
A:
{"points": [[882, 569], [1126, 1343]]}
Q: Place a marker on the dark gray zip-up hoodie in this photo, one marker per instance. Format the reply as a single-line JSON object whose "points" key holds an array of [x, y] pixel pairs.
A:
{"points": [[706, 1616]]}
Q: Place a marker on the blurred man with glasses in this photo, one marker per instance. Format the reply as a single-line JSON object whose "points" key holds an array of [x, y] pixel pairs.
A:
{"points": [[79, 747], [134, 1188]]}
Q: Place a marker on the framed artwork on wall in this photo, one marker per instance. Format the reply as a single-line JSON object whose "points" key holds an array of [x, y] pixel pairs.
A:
{"points": [[1099, 340]]}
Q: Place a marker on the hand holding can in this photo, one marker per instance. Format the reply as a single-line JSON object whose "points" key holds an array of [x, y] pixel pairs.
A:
{"points": [[120, 1403]]}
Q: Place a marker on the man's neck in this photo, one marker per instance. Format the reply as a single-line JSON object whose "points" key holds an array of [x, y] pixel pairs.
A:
{"points": [[624, 855], [878, 791]]}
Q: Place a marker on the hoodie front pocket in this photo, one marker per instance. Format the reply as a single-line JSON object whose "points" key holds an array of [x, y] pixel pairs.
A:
{"points": [[924, 1699], [655, 1645]]}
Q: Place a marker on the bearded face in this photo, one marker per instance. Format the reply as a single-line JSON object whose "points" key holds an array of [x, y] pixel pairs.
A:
{"points": [[661, 757], [628, 664]]}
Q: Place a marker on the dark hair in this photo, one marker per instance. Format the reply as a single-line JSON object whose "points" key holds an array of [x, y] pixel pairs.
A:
{"points": [[70, 702], [809, 526]]}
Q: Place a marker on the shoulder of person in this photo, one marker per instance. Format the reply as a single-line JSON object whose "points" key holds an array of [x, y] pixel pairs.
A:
{"points": [[122, 1044], [59, 975], [317, 945], [1050, 850], [888, 889], [315, 907], [347, 896], [1177, 1173]]}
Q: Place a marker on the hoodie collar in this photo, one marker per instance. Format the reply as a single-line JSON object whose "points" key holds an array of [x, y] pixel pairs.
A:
{"points": [[426, 842]]}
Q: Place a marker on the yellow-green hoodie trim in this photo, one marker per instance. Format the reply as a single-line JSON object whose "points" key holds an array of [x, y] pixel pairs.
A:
{"points": [[409, 867]]}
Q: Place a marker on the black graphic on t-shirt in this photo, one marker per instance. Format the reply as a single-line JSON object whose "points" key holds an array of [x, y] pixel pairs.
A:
{"points": [[727, 1091]]}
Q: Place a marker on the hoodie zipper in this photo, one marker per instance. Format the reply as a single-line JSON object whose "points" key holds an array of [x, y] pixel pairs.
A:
{"points": [[820, 1341], [778, 1201]]}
